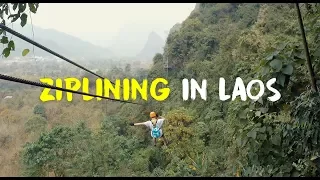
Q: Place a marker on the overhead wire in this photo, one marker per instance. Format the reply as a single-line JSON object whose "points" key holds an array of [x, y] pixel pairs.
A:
{"points": [[34, 56], [14, 79], [32, 83], [11, 31], [306, 49]]}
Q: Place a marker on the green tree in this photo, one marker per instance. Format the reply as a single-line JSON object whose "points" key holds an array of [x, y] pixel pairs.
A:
{"points": [[128, 68], [39, 109], [12, 12], [36, 124], [208, 138]]}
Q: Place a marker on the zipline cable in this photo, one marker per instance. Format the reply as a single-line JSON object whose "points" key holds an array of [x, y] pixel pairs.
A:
{"points": [[306, 49], [32, 83], [11, 31]]}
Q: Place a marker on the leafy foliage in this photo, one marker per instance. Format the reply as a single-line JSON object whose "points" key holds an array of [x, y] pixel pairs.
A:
{"points": [[11, 12], [208, 138], [36, 124], [39, 109]]}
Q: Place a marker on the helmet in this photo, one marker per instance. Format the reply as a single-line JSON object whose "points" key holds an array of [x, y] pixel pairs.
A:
{"points": [[153, 115]]}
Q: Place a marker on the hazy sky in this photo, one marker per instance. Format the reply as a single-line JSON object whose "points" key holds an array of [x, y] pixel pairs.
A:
{"points": [[100, 23]]}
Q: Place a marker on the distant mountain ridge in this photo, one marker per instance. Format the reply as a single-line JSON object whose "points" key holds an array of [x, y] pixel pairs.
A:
{"points": [[153, 46], [62, 43]]}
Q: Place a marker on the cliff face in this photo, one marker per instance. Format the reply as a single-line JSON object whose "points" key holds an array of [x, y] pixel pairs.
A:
{"points": [[153, 46]]}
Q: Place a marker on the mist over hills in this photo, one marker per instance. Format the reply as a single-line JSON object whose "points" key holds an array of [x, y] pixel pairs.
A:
{"points": [[125, 45], [131, 39], [153, 45], [62, 43]]}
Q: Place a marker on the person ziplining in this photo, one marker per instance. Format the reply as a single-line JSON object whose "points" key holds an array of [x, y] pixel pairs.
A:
{"points": [[155, 125]]}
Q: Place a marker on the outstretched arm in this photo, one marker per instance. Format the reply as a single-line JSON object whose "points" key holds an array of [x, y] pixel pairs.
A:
{"points": [[137, 124]]}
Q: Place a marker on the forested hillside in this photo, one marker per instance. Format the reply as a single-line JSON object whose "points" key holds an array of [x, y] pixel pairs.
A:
{"points": [[207, 138]]}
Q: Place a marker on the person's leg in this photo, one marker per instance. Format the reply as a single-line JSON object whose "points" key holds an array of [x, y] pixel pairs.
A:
{"points": [[154, 141], [164, 140]]}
